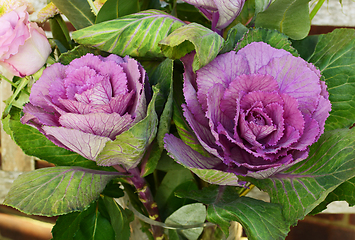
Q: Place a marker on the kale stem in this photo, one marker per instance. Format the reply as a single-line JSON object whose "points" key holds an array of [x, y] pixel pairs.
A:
{"points": [[316, 9], [146, 197]]}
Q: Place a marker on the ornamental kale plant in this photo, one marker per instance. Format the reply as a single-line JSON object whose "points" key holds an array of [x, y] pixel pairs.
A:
{"points": [[86, 104], [256, 111], [170, 112]]}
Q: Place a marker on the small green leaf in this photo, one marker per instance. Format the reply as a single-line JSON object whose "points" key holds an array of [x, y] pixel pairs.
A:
{"points": [[334, 56], [233, 36], [77, 11], [136, 35], [113, 9], [119, 217], [187, 215], [95, 226], [129, 147], [290, 17], [272, 37], [67, 225], [57, 190], [193, 37]]}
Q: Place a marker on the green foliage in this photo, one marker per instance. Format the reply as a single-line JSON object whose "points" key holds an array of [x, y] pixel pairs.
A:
{"points": [[334, 56], [77, 11], [193, 36], [290, 17], [345, 192], [300, 189], [261, 220], [272, 37], [113, 9], [163, 77], [57, 190], [165, 195], [136, 35], [104, 219], [60, 33], [306, 46], [189, 214], [234, 35], [190, 13], [78, 52]]}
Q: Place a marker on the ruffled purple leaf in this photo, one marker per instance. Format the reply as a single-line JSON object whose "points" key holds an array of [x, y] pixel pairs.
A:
{"points": [[204, 167], [220, 12]]}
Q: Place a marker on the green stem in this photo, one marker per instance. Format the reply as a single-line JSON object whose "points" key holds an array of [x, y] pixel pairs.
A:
{"points": [[23, 83], [316, 9], [7, 80]]}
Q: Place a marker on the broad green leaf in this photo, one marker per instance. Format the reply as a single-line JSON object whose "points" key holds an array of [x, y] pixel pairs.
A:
{"points": [[136, 35], [272, 37], [67, 225], [290, 17], [163, 76], [34, 143], [119, 218], [113, 9], [189, 13], [174, 202], [169, 183], [95, 226], [149, 4], [129, 147], [194, 213], [334, 56], [345, 192], [77, 11], [57, 190], [306, 46], [301, 188], [260, 220], [193, 37], [60, 32]]}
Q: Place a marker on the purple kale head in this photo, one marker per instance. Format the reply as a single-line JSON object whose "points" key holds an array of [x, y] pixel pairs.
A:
{"points": [[255, 111], [220, 12], [91, 101]]}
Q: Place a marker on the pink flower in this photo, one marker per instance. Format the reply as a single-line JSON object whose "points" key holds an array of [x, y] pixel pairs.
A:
{"points": [[24, 47]]}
